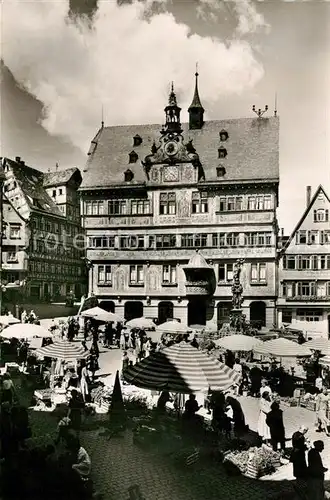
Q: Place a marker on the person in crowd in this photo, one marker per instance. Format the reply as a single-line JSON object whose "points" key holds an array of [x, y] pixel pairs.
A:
{"points": [[125, 361], [8, 389], [322, 405], [147, 347], [298, 460], [239, 370], [81, 467], [191, 407], [84, 380], [316, 472], [95, 339], [265, 387], [274, 420], [8, 445], [255, 377], [63, 428], [137, 347], [238, 415], [194, 342], [229, 358], [263, 428], [23, 353], [20, 423], [70, 333], [220, 421], [318, 384], [76, 406], [24, 316], [122, 342], [92, 362], [71, 378], [162, 400]]}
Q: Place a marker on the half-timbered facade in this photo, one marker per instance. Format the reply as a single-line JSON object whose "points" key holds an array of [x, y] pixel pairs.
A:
{"points": [[304, 269]]}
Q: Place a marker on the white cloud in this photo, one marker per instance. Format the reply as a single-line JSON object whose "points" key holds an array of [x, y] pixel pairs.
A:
{"points": [[125, 63]]}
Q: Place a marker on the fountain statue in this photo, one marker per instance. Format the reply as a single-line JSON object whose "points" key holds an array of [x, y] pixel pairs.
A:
{"points": [[237, 319]]}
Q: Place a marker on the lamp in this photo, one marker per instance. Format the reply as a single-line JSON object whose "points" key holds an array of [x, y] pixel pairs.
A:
{"points": [[179, 299], [148, 301]]}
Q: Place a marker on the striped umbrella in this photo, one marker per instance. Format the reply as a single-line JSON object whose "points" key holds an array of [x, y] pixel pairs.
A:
{"points": [[319, 344], [173, 327], [282, 348], [239, 342], [63, 350], [183, 369], [325, 361]]}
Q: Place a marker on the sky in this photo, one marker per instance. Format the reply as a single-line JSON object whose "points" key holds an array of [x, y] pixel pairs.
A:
{"points": [[63, 62]]}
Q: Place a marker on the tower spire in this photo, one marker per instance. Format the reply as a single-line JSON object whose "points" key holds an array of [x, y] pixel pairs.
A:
{"points": [[196, 110], [172, 113]]}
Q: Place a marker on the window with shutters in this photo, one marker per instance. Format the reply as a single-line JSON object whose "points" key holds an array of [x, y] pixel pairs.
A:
{"points": [[193, 240], [117, 207]]}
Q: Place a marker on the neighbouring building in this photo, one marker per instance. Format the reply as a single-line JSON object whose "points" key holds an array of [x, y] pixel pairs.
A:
{"points": [[44, 242], [168, 209], [14, 262], [304, 269]]}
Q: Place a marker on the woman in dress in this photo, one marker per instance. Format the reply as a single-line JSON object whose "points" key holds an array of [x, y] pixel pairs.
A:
{"points": [[265, 407], [322, 404], [76, 405], [84, 378], [8, 389]]}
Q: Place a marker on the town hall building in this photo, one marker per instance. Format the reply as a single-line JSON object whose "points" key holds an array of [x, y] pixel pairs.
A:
{"points": [[167, 210]]}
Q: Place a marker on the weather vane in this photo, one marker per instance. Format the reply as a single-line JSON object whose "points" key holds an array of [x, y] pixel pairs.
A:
{"points": [[259, 112]]}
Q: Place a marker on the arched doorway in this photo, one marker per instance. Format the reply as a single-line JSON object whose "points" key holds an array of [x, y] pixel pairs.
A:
{"points": [[108, 305], [133, 309], [223, 313], [197, 312], [165, 311], [258, 313]]}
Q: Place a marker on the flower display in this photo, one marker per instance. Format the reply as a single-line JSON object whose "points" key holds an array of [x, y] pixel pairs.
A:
{"points": [[262, 459]]}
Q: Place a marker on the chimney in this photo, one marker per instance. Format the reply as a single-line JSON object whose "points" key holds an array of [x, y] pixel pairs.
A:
{"points": [[18, 159], [308, 195], [22, 162]]}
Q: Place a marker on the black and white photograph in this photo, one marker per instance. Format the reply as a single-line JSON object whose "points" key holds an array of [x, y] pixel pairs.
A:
{"points": [[165, 250]]}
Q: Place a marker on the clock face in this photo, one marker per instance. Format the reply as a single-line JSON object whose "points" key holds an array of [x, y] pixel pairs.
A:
{"points": [[171, 174], [171, 148]]}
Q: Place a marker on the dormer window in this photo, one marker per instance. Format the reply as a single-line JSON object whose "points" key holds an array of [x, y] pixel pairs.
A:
{"points": [[137, 140], [128, 175], [223, 135], [221, 171], [133, 157], [222, 152]]}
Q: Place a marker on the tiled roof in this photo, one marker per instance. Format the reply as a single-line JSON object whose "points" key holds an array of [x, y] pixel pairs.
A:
{"points": [[59, 177], [2, 174], [252, 151], [30, 181]]}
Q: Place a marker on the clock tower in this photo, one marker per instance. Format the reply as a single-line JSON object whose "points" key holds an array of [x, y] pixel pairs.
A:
{"points": [[171, 151]]}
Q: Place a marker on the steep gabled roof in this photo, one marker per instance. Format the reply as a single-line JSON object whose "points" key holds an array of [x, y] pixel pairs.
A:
{"points": [[30, 181], [8, 202], [252, 151], [61, 177], [319, 190]]}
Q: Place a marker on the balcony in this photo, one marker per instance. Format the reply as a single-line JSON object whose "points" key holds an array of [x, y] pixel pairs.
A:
{"points": [[200, 277], [308, 298]]}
